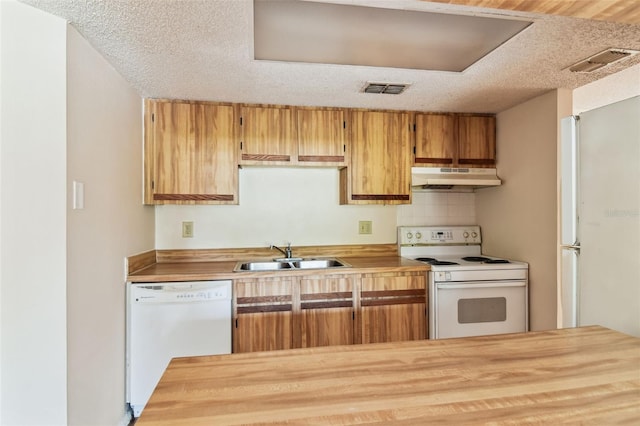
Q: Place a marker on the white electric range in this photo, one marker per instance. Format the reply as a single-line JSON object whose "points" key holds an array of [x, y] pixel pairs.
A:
{"points": [[470, 293]]}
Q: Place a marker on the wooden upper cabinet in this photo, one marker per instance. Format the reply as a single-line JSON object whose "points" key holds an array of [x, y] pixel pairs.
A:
{"points": [[435, 140], [266, 135], [455, 140], [321, 137], [476, 141], [190, 153], [379, 169]]}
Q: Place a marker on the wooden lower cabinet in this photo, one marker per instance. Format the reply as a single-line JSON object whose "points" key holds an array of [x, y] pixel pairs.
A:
{"points": [[393, 307], [326, 310], [262, 310], [326, 315]]}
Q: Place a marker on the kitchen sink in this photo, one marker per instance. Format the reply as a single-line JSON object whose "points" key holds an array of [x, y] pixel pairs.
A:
{"points": [[261, 266], [283, 264], [318, 263]]}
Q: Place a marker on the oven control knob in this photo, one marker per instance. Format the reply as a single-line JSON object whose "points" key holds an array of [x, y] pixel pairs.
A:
{"points": [[409, 235], [474, 234], [465, 234], [418, 235]]}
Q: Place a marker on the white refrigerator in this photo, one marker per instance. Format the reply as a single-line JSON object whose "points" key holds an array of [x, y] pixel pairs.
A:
{"points": [[600, 218]]}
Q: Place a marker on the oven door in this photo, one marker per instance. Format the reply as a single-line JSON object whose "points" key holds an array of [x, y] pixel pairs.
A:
{"points": [[479, 308]]}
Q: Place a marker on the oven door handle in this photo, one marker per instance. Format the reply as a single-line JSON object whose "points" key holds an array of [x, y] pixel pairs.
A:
{"points": [[444, 286]]}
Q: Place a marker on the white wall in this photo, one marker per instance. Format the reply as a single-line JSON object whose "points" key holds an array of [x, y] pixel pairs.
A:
{"points": [[518, 219], [104, 152], [301, 206], [33, 219], [622, 85], [62, 270], [277, 205]]}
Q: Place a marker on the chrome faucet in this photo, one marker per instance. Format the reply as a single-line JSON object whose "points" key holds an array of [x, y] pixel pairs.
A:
{"points": [[287, 251]]}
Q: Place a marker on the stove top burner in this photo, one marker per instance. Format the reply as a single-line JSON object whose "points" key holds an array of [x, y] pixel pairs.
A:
{"points": [[426, 259], [433, 261], [484, 259], [476, 259]]}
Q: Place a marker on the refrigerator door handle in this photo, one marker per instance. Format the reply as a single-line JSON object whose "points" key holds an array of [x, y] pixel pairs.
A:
{"points": [[575, 247]]}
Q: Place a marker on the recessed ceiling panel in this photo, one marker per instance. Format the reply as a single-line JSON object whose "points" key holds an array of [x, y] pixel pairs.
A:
{"points": [[302, 31]]}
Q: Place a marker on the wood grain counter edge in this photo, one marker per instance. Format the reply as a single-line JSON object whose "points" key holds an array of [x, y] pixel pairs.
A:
{"points": [[218, 264], [203, 271]]}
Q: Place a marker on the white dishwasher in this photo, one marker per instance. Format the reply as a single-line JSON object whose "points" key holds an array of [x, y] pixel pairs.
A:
{"points": [[167, 320]]}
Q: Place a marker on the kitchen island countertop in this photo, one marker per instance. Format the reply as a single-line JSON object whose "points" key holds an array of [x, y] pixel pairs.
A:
{"points": [[588, 375]]}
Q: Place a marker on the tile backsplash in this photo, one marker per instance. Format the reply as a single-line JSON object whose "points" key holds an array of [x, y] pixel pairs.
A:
{"points": [[438, 208]]}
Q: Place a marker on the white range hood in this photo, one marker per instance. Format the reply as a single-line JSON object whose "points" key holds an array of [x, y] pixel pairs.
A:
{"points": [[428, 178]]}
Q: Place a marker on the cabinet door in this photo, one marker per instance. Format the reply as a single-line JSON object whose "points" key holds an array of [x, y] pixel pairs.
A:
{"points": [[326, 312], [393, 307], [380, 166], [435, 140], [266, 135], [321, 137], [262, 314], [476, 141], [191, 154]]}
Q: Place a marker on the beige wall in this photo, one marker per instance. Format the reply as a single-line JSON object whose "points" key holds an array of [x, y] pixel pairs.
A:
{"points": [[518, 219], [104, 152], [33, 256]]}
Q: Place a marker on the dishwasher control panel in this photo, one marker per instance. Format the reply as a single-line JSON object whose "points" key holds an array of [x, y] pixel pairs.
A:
{"points": [[181, 292]]}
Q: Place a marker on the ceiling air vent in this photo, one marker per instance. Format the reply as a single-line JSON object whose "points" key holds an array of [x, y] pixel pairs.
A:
{"points": [[602, 59], [388, 88]]}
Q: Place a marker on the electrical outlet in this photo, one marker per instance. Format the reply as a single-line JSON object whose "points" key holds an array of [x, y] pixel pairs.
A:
{"points": [[365, 227], [187, 229]]}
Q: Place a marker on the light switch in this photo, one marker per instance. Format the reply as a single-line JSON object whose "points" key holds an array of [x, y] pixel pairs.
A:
{"points": [[187, 229], [365, 227], [78, 195]]}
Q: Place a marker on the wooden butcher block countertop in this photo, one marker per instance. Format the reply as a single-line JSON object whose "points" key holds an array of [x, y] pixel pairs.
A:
{"points": [[588, 375]]}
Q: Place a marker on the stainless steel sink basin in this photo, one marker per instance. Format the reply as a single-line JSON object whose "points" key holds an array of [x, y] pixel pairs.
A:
{"points": [[283, 264], [318, 263], [261, 266]]}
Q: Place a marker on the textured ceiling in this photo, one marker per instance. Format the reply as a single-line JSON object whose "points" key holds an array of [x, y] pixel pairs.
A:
{"points": [[203, 50]]}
